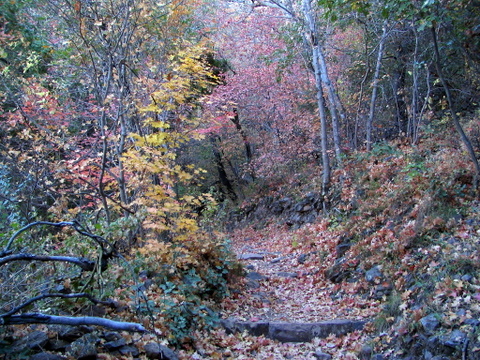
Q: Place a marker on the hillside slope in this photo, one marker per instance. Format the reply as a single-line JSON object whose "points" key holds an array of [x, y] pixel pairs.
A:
{"points": [[398, 251], [399, 246]]}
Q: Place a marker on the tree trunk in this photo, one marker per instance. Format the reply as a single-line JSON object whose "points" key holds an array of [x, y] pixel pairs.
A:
{"points": [[226, 185], [373, 100], [248, 147], [36, 318], [333, 102], [316, 55], [360, 115], [413, 118], [451, 105]]}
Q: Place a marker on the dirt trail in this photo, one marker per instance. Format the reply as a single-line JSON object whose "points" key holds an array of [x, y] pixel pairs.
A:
{"points": [[286, 285]]}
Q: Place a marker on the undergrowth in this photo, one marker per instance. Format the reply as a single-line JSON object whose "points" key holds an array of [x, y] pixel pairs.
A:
{"points": [[179, 284], [413, 210]]}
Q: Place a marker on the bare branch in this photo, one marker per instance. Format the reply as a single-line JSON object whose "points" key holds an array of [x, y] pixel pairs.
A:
{"points": [[278, 5], [85, 264], [55, 295], [109, 197], [101, 241], [36, 318], [26, 227]]}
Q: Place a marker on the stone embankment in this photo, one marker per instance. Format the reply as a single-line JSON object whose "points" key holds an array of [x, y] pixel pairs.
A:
{"points": [[293, 212]]}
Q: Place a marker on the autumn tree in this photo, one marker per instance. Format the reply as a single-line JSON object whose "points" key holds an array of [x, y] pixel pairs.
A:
{"points": [[321, 74], [404, 81], [98, 137], [106, 62], [266, 109], [291, 21], [25, 55], [387, 87], [452, 103]]}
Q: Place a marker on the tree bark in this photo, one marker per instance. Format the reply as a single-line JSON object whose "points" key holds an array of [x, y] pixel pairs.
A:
{"points": [[248, 147], [333, 105], [83, 263], [376, 75], [222, 173], [316, 54], [36, 318], [413, 118], [451, 105]]}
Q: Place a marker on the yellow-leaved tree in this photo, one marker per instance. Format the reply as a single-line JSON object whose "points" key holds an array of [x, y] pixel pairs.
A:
{"points": [[174, 115], [191, 264]]}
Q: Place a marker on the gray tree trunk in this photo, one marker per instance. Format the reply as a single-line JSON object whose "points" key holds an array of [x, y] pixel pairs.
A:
{"points": [[316, 56], [333, 105], [451, 105], [373, 100]]}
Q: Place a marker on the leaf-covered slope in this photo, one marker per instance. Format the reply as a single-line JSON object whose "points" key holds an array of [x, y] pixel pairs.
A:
{"points": [[408, 218]]}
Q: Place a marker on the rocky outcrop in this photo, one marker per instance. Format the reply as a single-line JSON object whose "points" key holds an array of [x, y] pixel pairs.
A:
{"points": [[79, 342], [453, 344], [251, 256], [84, 348], [35, 340], [87, 343], [287, 210]]}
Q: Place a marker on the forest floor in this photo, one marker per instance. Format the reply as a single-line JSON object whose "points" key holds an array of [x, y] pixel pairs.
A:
{"points": [[411, 216], [288, 284], [285, 282], [411, 272]]}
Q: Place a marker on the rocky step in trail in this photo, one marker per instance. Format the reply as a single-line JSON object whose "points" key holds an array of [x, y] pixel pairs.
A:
{"points": [[293, 331]]}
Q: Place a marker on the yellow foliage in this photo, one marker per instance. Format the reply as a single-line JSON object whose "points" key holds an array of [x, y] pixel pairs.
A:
{"points": [[188, 225], [151, 158], [159, 125], [159, 250]]}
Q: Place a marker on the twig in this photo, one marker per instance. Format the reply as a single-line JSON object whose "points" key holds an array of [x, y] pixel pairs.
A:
{"points": [[36, 318], [6, 249], [55, 295], [85, 264]]}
